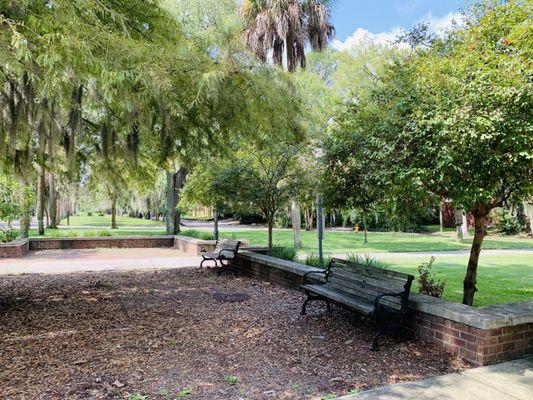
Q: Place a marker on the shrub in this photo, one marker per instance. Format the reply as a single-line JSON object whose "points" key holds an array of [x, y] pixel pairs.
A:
{"points": [[505, 223], [99, 233], [231, 379], [89, 214], [100, 213], [198, 234], [312, 259], [62, 233], [285, 253], [427, 282], [367, 260], [8, 235]]}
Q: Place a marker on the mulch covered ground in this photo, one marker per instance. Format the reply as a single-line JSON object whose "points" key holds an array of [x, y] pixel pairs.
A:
{"points": [[187, 334]]}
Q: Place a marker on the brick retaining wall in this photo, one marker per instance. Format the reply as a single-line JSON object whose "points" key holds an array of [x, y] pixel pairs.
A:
{"points": [[185, 244], [101, 242], [14, 249], [480, 335], [19, 247]]}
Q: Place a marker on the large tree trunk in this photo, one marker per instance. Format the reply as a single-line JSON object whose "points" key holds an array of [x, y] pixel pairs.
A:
{"points": [[26, 214], [114, 211], [308, 216], [469, 284], [170, 216], [296, 221], [40, 198], [175, 182], [215, 223], [270, 221], [52, 203], [441, 219], [528, 210], [461, 228]]}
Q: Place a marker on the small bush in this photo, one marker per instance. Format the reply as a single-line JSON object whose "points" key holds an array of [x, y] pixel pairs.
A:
{"points": [[62, 234], [427, 282], [8, 235], [183, 393], [231, 379], [505, 223], [198, 234], [367, 260], [313, 260], [99, 233], [89, 214], [285, 253], [100, 213]]}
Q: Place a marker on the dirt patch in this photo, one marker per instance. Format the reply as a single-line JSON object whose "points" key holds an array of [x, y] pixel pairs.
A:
{"points": [[188, 333]]}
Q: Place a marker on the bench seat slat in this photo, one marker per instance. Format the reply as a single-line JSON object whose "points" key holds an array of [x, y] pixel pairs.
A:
{"points": [[348, 300], [391, 302], [361, 290]]}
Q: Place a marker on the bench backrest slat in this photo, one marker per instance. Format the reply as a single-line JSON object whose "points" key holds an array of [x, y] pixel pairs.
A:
{"points": [[360, 289], [380, 273], [227, 245], [368, 282]]}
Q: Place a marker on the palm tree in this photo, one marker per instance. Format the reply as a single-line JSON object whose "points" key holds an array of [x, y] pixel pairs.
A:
{"points": [[285, 27]]}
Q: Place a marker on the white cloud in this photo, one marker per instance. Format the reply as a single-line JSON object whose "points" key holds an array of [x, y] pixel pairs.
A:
{"points": [[440, 25], [362, 36]]}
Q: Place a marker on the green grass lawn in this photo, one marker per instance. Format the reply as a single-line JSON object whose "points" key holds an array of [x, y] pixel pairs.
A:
{"points": [[105, 221], [502, 278], [341, 242]]}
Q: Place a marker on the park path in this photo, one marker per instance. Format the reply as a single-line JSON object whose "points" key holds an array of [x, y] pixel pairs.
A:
{"points": [[64, 261], [510, 380]]}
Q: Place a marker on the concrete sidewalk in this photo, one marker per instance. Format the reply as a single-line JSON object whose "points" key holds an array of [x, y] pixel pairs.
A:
{"points": [[64, 261], [511, 380]]}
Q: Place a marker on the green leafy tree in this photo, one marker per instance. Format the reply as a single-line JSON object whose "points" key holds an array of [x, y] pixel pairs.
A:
{"points": [[285, 27], [259, 179], [454, 120]]}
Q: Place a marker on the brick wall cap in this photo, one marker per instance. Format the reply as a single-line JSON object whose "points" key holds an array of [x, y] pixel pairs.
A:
{"points": [[15, 243], [104, 238], [296, 268]]}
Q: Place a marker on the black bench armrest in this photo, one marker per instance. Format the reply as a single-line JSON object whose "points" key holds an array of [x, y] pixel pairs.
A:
{"points": [[380, 296], [308, 273], [234, 250]]}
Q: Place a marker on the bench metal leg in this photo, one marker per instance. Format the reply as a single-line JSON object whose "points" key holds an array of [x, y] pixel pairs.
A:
{"points": [[208, 259], [310, 298], [375, 339]]}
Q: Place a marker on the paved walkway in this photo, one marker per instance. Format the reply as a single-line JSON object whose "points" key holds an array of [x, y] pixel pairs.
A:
{"points": [[62, 261], [511, 380]]}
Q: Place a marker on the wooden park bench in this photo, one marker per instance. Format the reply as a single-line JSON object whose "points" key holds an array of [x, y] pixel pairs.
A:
{"points": [[225, 250], [379, 294]]}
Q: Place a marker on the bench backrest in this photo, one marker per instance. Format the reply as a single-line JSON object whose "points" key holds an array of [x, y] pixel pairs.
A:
{"points": [[227, 247], [368, 282]]}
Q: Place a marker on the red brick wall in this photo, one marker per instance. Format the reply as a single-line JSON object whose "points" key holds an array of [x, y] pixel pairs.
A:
{"points": [[14, 249], [478, 346], [104, 242]]}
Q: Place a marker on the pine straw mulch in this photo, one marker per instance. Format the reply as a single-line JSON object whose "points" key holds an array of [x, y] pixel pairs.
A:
{"points": [[189, 333]]}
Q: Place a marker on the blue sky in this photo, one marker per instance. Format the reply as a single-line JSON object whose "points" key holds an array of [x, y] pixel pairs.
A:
{"points": [[381, 19]]}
